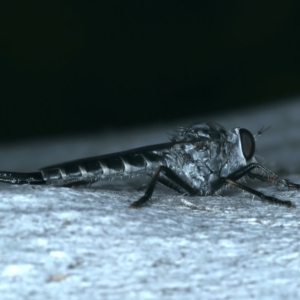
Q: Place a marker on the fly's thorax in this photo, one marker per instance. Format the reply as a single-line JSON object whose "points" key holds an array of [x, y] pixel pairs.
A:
{"points": [[199, 162], [204, 152], [188, 161]]}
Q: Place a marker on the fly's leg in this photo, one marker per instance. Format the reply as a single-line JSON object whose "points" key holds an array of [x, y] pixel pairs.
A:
{"points": [[22, 178], [292, 185], [287, 183], [259, 194], [236, 175], [172, 180], [171, 185]]}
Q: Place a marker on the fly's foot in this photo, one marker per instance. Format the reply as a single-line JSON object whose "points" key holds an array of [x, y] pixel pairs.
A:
{"points": [[289, 204], [292, 185], [274, 200], [140, 202]]}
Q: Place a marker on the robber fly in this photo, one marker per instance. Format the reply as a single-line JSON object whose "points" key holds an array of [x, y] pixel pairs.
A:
{"points": [[200, 159]]}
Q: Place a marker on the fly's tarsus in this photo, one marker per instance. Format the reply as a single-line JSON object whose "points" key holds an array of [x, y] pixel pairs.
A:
{"points": [[292, 185], [140, 202]]}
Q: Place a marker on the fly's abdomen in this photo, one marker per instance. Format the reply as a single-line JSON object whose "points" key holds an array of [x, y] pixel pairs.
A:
{"points": [[105, 167]]}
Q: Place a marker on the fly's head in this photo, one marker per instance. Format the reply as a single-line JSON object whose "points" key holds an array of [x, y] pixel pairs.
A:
{"points": [[242, 147], [224, 151]]}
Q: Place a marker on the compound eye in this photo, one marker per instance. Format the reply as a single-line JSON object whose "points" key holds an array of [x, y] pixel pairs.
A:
{"points": [[248, 143]]}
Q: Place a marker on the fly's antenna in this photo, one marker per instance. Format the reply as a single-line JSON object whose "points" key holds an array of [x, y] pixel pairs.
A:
{"points": [[260, 131]]}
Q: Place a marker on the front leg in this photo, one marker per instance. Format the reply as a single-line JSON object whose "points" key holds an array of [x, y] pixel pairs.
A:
{"points": [[267, 175], [172, 177], [262, 196]]}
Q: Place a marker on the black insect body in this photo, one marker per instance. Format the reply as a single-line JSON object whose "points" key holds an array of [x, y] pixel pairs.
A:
{"points": [[199, 160]]}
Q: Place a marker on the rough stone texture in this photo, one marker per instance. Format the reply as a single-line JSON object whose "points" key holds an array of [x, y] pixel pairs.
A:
{"points": [[86, 243]]}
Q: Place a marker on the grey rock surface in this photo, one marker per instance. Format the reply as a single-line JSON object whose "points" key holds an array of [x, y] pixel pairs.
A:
{"points": [[86, 243]]}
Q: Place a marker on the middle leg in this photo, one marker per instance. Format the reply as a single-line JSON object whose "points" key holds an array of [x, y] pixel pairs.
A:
{"points": [[172, 180]]}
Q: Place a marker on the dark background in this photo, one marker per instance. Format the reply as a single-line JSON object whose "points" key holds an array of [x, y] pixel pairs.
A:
{"points": [[68, 67]]}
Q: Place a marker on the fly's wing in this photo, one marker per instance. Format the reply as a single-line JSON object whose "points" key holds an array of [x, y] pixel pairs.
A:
{"points": [[106, 167], [144, 160], [112, 156], [184, 134]]}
